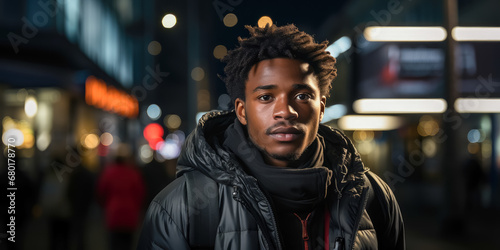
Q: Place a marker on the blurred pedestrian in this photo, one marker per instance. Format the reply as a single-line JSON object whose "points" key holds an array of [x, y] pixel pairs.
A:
{"points": [[56, 206], [81, 195], [474, 179], [121, 191]]}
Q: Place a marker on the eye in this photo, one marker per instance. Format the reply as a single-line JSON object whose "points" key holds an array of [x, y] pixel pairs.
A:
{"points": [[303, 97], [264, 98]]}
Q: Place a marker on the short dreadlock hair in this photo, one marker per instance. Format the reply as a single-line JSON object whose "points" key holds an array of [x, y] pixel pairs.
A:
{"points": [[276, 42]]}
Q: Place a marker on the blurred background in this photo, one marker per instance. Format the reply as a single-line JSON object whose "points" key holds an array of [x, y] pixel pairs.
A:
{"points": [[91, 86]]}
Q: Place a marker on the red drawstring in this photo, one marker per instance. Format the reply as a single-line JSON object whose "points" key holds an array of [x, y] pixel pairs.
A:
{"points": [[327, 228]]}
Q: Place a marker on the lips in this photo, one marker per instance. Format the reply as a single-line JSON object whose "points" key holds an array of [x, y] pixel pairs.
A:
{"points": [[286, 134]]}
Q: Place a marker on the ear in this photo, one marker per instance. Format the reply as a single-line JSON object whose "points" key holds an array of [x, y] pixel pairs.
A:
{"points": [[322, 108], [239, 106]]}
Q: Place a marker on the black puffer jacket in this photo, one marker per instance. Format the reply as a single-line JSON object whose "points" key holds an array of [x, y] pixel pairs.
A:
{"points": [[246, 217]]}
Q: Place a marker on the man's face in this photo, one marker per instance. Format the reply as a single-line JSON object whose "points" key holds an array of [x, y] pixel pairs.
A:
{"points": [[282, 108]]}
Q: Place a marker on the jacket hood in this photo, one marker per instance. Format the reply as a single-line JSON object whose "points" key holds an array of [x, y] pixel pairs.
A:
{"points": [[202, 151]]}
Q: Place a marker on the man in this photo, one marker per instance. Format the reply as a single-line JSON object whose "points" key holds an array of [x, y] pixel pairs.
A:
{"points": [[282, 180]]}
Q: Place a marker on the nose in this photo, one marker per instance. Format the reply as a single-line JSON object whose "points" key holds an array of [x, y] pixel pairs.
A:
{"points": [[283, 109]]}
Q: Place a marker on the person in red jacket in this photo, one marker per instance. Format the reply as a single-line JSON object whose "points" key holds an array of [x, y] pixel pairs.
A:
{"points": [[121, 192]]}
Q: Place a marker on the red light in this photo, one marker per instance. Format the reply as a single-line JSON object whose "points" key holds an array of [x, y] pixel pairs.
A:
{"points": [[153, 133], [154, 143]]}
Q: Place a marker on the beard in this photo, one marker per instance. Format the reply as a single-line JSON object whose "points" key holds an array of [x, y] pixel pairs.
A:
{"points": [[294, 156]]}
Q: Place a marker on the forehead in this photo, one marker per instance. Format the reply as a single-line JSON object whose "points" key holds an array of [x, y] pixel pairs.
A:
{"points": [[280, 70], [280, 66]]}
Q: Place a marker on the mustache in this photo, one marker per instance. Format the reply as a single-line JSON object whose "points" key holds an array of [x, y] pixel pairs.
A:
{"points": [[285, 124]]}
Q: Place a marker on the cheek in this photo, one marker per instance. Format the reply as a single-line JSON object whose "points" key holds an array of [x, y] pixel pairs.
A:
{"points": [[258, 137], [313, 116], [311, 112], [256, 125]]}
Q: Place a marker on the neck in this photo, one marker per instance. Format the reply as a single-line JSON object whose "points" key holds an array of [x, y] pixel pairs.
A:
{"points": [[275, 162], [290, 161]]}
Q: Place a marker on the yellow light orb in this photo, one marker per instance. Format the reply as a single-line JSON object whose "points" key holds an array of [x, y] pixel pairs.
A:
{"points": [[230, 20], [154, 48], [91, 141], [263, 21], [220, 51], [172, 121], [197, 74]]}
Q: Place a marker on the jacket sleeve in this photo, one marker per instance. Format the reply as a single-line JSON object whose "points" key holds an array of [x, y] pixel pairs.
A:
{"points": [[163, 226], [388, 221]]}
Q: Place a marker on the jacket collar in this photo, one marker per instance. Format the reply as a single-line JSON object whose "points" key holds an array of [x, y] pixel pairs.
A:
{"points": [[202, 151]]}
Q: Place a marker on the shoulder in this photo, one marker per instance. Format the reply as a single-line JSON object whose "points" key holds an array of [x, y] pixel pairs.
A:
{"points": [[382, 191], [385, 214], [173, 193], [168, 209], [183, 196], [376, 181], [165, 223]]}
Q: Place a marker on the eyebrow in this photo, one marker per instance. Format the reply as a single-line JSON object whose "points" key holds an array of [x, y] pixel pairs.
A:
{"points": [[264, 87], [302, 86], [296, 86]]}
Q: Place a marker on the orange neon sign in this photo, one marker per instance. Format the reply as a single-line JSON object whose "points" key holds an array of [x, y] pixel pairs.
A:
{"points": [[100, 95]]}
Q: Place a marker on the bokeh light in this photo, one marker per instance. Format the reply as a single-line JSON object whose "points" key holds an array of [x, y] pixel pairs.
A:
{"points": [[203, 99], [13, 136], [43, 141], [8, 123], [361, 135], [169, 21], [220, 51], [429, 147], [146, 153], [90, 141], [29, 139], [486, 148], [473, 148], [21, 95], [197, 74], [172, 122], [170, 149], [475, 136], [154, 48], [366, 147], [30, 106], [263, 21], [154, 111], [224, 101], [153, 133], [230, 20], [106, 139], [427, 126]]}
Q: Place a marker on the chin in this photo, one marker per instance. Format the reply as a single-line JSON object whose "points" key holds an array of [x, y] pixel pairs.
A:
{"points": [[285, 156]]}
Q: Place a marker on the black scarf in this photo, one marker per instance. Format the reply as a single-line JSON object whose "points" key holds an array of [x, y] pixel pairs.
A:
{"points": [[293, 189]]}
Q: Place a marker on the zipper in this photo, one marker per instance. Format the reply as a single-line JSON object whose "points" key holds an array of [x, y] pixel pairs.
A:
{"points": [[339, 241], [364, 199], [268, 235], [305, 235]]}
